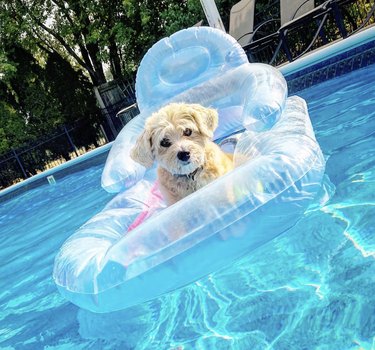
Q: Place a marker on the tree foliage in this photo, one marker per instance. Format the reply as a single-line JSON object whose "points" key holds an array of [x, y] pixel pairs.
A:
{"points": [[35, 99], [52, 52], [96, 34], [93, 35]]}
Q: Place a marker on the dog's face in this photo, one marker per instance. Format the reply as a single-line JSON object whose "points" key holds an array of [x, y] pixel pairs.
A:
{"points": [[175, 137]]}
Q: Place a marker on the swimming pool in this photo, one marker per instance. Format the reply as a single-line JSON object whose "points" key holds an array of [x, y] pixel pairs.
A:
{"points": [[311, 288]]}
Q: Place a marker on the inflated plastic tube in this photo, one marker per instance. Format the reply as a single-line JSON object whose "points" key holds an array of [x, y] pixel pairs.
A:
{"points": [[137, 249], [197, 65], [278, 174], [184, 60]]}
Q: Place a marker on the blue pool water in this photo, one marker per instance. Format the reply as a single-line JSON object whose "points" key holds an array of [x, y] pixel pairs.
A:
{"points": [[311, 288]]}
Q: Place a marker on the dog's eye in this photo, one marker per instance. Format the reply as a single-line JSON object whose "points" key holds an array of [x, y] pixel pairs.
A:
{"points": [[187, 132], [165, 143]]}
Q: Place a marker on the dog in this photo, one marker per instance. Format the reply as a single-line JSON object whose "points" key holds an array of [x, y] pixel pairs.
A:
{"points": [[179, 138]]}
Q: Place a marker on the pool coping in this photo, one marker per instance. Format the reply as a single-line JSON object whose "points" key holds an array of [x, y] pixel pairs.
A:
{"points": [[35, 180], [333, 60], [329, 51], [300, 74]]}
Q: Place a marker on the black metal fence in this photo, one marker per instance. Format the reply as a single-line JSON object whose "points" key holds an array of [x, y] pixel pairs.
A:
{"points": [[332, 20], [118, 107], [113, 97], [63, 144]]}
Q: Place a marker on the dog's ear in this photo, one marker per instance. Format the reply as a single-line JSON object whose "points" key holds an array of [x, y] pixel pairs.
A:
{"points": [[141, 151], [207, 120]]}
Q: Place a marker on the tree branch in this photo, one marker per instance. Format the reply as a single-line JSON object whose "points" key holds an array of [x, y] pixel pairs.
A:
{"points": [[59, 38], [77, 36]]}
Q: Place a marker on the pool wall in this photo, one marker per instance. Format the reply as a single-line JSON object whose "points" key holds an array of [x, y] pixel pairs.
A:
{"points": [[344, 56], [336, 59], [92, 158]]}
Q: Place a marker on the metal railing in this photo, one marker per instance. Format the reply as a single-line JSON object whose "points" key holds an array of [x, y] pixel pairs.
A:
{"points": [[68, 142], [61, 145], [330, 21], [113, 97]]}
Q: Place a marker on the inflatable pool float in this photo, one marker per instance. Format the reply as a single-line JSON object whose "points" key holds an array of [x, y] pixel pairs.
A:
{"points": [[136, 248]]}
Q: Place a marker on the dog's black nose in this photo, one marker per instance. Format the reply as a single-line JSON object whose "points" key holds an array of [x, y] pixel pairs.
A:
{"points": [[184, 156]]}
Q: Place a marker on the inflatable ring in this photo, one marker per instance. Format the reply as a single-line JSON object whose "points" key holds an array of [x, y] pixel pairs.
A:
{"points": [[137, 249]]}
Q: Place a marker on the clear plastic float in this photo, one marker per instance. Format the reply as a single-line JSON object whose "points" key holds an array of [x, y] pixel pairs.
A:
{"points": [[137, 249]]}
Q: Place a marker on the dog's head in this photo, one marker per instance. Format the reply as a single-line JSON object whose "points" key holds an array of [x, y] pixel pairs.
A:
{"points": [[176, 137]]}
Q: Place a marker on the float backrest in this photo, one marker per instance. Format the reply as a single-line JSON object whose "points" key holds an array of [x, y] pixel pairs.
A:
{"points": [[184, 60], [197, 65]]}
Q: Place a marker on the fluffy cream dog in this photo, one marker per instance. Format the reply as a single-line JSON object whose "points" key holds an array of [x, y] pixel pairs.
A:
{"points": [[178, 137]]}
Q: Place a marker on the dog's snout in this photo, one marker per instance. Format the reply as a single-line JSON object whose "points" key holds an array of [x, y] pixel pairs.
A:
{"points": [[183, 156]]}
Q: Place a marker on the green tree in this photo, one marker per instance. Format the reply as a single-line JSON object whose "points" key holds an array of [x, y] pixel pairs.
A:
{"points": [[12, 127], [61, 26], [36, 99], [28, 86], [70, 89], [49, 49], [95, 34]]}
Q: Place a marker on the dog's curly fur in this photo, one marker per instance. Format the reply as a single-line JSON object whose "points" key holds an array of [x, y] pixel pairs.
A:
{"points": [[178, 137]]}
